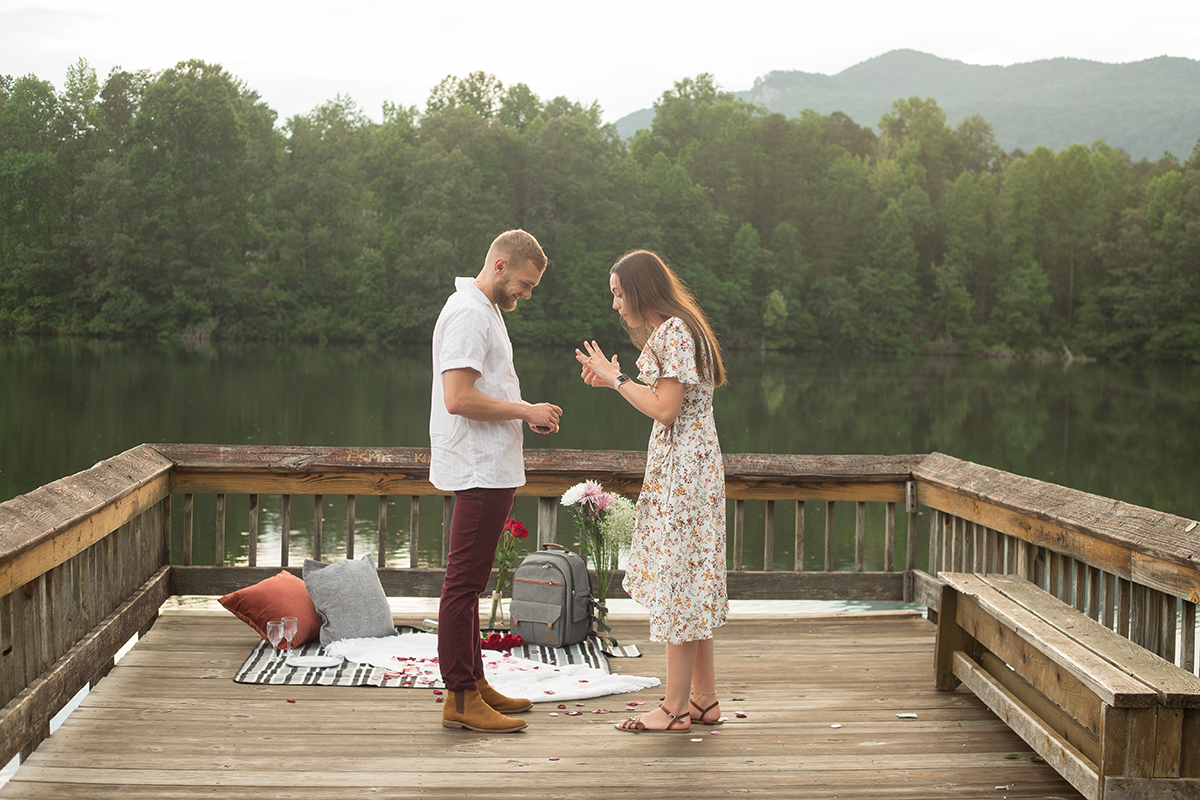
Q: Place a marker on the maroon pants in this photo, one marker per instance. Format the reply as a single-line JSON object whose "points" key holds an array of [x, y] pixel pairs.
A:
{"points": [[475, 530]]}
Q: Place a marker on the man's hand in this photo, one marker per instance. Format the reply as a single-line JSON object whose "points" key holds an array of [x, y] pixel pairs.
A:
{"points": [[543, 417], [464, 400]]}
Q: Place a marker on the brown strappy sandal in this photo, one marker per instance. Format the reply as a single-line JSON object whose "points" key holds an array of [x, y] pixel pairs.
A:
{"points": [[635, 724], [703, 711]]}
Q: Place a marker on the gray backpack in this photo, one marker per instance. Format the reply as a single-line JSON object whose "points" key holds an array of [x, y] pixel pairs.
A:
{"points": [[552, 598]]}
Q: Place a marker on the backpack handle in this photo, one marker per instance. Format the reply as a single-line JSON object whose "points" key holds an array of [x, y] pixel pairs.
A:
{"points": [[549, 545]]}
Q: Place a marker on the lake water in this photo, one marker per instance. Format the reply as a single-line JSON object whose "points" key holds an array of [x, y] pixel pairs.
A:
{"points": [[1127, 432]]}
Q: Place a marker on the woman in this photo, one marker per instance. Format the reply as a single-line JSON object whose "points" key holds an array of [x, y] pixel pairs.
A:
{"points": [[677, 564]]}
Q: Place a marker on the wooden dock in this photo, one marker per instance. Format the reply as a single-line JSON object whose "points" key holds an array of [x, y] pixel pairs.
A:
{"points": [[169, 722]]}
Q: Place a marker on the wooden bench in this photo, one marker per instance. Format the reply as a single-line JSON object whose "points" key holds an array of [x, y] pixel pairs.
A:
{"points": [[1116, 721]]}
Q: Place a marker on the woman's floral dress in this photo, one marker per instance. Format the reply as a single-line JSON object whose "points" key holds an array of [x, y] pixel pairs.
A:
{"points": [[676, 568]]}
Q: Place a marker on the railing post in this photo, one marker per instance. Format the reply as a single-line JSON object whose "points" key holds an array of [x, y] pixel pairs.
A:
{"points": [[285, 530], [889, 547], [318, 525], [912, 507], [185, 557], [219, 532], [1124, 607], [798, 560], [860, 536], [414, 529], [381, 556], [829, 532], [547, 520], [166, 530], [1110, 600], [1025, 560], [252, 550], [769, 537], [1187, 654]]}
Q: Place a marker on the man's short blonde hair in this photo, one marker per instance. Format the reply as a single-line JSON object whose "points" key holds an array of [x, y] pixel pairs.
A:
{"points": [[517, 247]]}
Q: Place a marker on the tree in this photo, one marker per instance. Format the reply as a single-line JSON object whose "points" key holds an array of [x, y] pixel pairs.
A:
{"points": [[837, 314], [749, 273], [479, 93], [1021, 301], [1149, 309], [887, 283], [951, 310], [325, 224], [977, 148], [518, 107], [774, 316], [33, 201], [196, 164], [973, 229], [940, 151], [839, 130]]}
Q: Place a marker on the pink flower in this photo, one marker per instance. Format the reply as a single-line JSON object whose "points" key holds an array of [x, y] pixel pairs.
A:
{"points": [[595, 498], [591, 490]]}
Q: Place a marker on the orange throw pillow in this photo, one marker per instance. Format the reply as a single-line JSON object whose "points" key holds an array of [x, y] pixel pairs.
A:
{"points": [[282, 595]]}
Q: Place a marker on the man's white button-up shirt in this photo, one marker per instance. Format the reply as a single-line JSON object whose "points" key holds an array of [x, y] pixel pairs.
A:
{"points": [[464, 453]]}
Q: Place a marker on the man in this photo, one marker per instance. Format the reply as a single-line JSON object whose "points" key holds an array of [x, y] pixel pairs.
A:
{"points": [[475, 437]]}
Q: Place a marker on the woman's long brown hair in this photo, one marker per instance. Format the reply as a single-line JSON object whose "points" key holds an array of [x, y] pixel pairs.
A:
{"points": [[648, 284]]}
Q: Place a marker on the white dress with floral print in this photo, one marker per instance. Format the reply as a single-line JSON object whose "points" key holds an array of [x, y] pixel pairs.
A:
{"points": [[676, 568]]}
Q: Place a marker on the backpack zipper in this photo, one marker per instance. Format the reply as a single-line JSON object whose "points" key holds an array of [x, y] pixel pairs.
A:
{"points": [[539, 583]]}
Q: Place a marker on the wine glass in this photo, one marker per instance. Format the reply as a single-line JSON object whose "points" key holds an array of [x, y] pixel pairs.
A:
{"points": [[290, 625], [274, 634]]}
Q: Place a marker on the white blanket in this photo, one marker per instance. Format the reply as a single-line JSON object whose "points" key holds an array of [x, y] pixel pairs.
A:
{"points": [[416, 654]]}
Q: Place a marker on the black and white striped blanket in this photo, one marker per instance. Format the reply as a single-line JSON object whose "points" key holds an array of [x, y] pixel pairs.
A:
{"points": [[264, 666]]}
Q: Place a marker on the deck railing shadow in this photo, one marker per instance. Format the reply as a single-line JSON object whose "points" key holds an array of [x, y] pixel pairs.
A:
{"points": [[86, 561]]}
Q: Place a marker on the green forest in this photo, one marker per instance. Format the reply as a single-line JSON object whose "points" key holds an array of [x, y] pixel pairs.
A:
{"points": [[174, 204]]}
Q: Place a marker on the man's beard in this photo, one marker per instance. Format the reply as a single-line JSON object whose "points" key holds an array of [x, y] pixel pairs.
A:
{"points": [[504, 299]]}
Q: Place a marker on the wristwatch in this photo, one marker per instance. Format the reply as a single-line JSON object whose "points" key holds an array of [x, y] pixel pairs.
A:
{"points": [[622, 378]]}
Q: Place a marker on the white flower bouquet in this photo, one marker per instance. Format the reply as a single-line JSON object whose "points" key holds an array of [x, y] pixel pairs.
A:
{"points": [[606, 523]]}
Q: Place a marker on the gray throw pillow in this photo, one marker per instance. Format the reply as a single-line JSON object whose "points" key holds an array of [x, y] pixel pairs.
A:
{"points": [[349, 599]]}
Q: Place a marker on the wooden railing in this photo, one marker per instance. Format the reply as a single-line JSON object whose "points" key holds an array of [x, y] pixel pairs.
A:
{"points": [[317, 474], [84, 566], [1135, 570], [85, 562]]}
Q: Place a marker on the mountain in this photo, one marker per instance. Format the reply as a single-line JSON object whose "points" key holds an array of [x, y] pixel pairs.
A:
{"points": [[1145, 108]]}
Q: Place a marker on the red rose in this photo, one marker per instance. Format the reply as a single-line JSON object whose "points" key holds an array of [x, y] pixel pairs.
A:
{"points": [[501, 641], [517, 529]]}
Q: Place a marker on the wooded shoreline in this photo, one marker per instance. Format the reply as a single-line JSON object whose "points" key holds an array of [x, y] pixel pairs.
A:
{"points": [[121, 215]]}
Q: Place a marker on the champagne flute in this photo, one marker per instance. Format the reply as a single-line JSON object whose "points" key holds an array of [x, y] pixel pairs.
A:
{"points": [[274, 634], [290, 625]]}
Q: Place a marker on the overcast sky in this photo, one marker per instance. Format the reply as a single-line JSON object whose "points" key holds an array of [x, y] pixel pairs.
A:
{"points": [[621, 53]]}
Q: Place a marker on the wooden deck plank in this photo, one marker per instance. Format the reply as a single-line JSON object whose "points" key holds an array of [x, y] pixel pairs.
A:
{"points": [[169, 722]]}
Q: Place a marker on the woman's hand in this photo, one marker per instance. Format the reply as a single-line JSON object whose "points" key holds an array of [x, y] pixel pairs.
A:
{"points": [[597, 370], [662, 403]]}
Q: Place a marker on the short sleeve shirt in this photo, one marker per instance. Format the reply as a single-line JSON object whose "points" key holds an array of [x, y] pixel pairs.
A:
{"points": [[464, 453]]}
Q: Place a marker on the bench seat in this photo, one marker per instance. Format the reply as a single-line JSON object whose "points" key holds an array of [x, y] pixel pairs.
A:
{"points": [[1117, 721]]}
